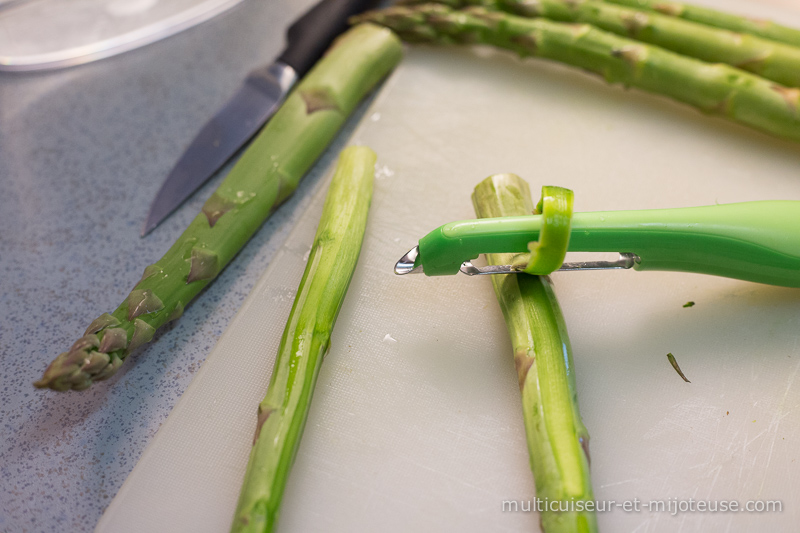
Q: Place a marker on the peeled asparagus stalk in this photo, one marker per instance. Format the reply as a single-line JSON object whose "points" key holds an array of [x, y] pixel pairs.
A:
{"points": [[261, 180], [283, 412], [558, 442]]}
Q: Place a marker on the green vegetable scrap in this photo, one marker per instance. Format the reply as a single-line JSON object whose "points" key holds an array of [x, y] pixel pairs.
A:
{"points": [[547, 254], [262, 179], [713, 88], [558, 442], [674, 364]]}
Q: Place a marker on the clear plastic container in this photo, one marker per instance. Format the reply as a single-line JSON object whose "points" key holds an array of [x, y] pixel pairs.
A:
{"points": [[44, 34]]}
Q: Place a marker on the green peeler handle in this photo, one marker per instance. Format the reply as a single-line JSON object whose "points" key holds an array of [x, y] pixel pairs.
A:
{"points": [[753, 241]]}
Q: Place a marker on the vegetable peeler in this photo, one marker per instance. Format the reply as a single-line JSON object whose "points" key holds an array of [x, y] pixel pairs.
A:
{"points": [[753, 241]]}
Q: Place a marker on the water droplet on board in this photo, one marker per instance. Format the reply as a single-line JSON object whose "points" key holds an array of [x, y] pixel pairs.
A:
{"points": [[375, 117]]}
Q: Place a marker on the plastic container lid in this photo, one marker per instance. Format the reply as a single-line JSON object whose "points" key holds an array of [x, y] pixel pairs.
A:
{"points": [[45, 34]]}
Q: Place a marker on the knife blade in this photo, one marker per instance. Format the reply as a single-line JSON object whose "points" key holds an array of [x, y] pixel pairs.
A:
{"points": [[254, 103]]}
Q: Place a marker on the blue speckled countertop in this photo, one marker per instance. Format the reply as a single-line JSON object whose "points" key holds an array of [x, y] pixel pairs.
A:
{"points": [[82, 152]]}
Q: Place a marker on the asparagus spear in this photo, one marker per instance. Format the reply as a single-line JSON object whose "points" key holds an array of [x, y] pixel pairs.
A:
{"points": [[558, 442], [282, 414], [713, 88], [775, 61], [719, 19], [263, 178]]}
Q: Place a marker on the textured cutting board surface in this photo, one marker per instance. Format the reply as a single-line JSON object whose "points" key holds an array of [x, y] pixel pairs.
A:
{"points": [[416, 420]]}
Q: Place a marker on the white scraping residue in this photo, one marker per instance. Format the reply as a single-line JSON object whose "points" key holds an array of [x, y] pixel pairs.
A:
{"points": [[383, 172]]}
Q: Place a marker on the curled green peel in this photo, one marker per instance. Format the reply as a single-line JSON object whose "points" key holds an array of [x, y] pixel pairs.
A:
{"points": [[547, 254]]}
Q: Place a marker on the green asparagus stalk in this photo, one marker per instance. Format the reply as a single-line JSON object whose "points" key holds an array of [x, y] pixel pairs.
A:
{"points": [[713, 88], [769, 59], [306, 339], [719, 19], [558, 442], [261, 180]]}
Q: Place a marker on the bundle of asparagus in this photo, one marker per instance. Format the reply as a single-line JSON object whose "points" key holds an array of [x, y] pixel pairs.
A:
{"points": [[712, 88], [558, 442], [283, 412], [772, 60], [263, 178], [711, 17]]}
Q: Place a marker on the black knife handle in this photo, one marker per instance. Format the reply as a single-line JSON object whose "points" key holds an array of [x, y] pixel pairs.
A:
{"points": [[312, 34]]}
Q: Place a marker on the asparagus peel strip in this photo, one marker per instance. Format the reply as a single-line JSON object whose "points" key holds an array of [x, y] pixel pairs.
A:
{"points": [[719, 19], [558, 442], [716, 89], [261, 180], [283, 412], [778, 62], [547, 254]]}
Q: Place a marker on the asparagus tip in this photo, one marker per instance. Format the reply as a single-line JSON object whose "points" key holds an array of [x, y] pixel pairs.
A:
{"points": [[76, 368]]}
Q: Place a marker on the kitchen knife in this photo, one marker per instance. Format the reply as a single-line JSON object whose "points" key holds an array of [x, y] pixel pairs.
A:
{"points": [[257, 99]]}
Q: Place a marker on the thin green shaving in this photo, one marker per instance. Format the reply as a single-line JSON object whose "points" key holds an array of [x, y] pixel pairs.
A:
{"points": [[547, 254]]}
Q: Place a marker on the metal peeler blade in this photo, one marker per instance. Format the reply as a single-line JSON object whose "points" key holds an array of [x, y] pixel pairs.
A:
{"points": [[406, 265]]}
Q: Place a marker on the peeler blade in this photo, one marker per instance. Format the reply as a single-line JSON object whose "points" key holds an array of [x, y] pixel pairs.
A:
{"points": [[406, 263], [625, 261]]}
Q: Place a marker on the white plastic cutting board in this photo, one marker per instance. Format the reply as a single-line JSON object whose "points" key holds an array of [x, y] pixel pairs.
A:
{"points": [[416, 422]]}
